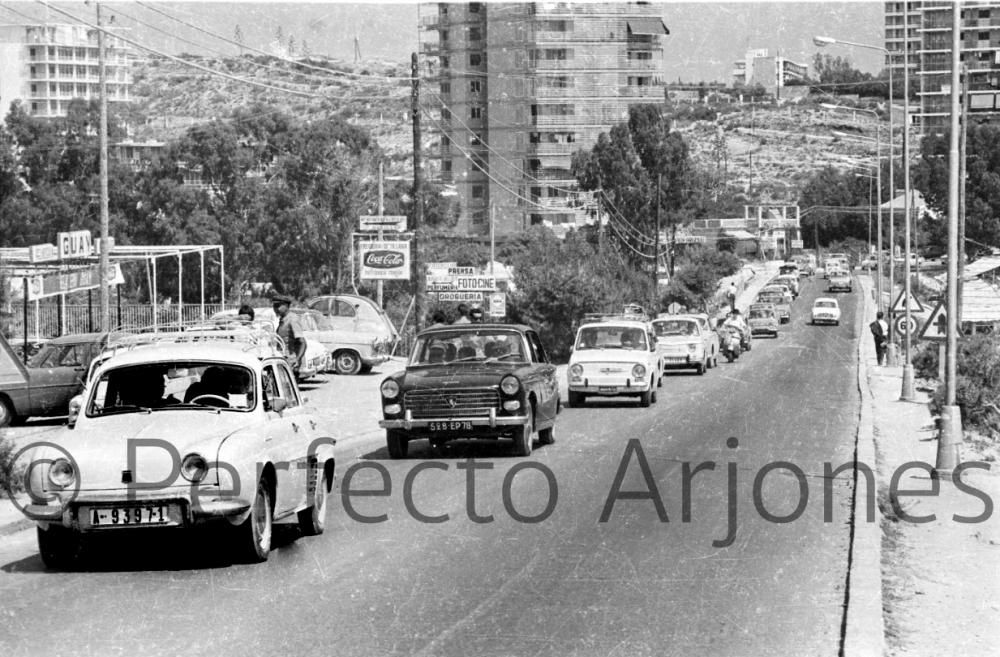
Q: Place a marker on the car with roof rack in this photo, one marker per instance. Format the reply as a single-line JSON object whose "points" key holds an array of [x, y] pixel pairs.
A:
{"points": [[614, 358], [182, 429], [683, 343], [316, 358], [472, 381]]}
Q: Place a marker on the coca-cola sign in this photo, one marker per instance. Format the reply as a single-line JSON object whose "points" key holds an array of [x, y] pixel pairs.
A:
{"points": [[384, 259]]}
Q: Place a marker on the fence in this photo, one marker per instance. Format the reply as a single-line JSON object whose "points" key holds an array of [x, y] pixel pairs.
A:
{"points": [[44, 320]]}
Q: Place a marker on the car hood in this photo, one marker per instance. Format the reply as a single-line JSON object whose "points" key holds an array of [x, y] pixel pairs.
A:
{"points": [[159, 440], [609, 356], [458, 375], [677, 339]]}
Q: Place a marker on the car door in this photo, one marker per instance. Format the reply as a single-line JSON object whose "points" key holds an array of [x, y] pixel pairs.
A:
{"points": [[549, 386], [57, 378], [282, 435]]}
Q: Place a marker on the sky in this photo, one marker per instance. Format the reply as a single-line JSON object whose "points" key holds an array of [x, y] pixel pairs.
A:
{"points": [[705, 39]]}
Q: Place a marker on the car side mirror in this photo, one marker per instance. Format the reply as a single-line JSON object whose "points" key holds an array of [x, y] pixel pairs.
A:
{"points": [[277, 405]]}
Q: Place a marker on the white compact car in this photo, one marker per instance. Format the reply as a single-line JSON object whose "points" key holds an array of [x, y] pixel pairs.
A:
{"points": [[682, 344], [200, 428], [614, 358], [826, 311]]}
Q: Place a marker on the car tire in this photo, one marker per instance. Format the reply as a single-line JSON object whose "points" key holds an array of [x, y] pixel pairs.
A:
{"points": [[836, 323], [59, 548], [547, 436], [253, 536], [700, 368], [346, 362], [652, 395], [7, 415], [645, 399], [312, 521], [575, 400], [397, 443], [524, 437]]}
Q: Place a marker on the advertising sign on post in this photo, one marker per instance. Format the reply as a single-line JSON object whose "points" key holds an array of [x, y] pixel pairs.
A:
{"points": [[75, 244], [55, 283], [383, 222], [385, 260], [498, 304]]}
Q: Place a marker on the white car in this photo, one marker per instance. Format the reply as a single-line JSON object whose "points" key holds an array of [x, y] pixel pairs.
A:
{"points": [[614, 358], [316, 359], [826, 311], [201, 430], [840, 281], [682, 344]]}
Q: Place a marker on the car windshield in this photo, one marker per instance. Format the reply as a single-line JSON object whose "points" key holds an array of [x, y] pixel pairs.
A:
{"points": [[675, 327], [771, 298], [761, 313], [826, 304], [611, 336], [469, 345], [173, 385]]}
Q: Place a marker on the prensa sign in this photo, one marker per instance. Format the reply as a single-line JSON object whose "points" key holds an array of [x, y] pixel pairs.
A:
{"points": [[385, 260]]}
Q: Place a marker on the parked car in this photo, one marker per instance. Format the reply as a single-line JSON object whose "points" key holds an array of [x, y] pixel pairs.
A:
{"points": [[363, 331], [826, 311], [682, 344], [52, 377], [791, 281], [840, 281], [481, 381], [614, 358], [711, 337], [233, 446], [789, 269], [763, 319], [316, 358]]}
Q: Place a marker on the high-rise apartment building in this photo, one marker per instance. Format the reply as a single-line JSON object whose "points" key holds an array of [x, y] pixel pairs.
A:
{"points": [[47, 66], [516, 88], [930, 43]]}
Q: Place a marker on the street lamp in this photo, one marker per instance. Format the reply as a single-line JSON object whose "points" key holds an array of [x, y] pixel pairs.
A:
{"points": [[823, 41], [878, 194]]}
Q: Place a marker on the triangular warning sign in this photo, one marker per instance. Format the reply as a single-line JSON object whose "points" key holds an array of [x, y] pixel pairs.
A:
{"points": [[936, 327], [899, 305]]}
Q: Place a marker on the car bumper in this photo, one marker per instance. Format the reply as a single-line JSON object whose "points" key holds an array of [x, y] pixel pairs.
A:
{"points": [[205, 510], [763, 330], [408, 422], [610, 391], [825, 320], [680, 362]]}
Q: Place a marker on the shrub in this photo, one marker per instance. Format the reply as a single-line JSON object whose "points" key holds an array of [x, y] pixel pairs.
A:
{"points": [[977, 390], [8, 480], [925, 361]]}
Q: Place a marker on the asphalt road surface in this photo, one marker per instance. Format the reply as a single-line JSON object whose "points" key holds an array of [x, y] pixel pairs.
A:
{"points": [[650, 579]]}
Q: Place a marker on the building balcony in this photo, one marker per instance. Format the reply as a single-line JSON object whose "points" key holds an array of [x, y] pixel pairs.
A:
{"points": [[435, 21]]}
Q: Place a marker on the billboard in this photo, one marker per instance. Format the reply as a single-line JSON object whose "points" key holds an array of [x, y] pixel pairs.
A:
{"points": [[385, 260]]}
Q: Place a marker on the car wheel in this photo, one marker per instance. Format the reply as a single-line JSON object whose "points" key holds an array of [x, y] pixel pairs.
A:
{"points": [[659, 381], [7, 416], [575, 400], [547, 436], [700, 368], [60, 548], [652, 394], [836, 323], [397, 443], [646, 398], [523, 438], [346, 363], [254, 534], [312, 521]]}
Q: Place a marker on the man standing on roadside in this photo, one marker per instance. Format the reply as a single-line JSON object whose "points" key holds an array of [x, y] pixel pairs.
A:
{"points": [[289, 330], [880, 332], [463, 314], [731, 295]]}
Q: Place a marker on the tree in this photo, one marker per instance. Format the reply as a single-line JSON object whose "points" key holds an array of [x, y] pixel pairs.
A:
{"points": [[697, 278]]}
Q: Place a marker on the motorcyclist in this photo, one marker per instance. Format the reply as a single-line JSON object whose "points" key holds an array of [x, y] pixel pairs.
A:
{"points": [[735, 320]]}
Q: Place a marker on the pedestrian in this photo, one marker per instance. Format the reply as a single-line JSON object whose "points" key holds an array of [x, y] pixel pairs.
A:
{"points": [[245, 313], [731, 295], [463, 314], [289, 330], [476, 315], [438, 318], [880, 332]]}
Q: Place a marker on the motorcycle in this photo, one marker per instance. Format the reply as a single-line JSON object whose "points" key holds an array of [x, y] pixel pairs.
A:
{"points": [[730, 343]]}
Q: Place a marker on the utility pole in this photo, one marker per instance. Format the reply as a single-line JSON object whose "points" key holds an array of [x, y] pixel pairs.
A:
{"points": [[962, 156], [493, 243], [418, 209], [950, 438], [907, 389], [656, 241], [600, 224], [381, 212], [104, 263]]}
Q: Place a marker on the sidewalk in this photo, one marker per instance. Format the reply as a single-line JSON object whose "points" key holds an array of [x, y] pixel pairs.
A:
{"points": [[940, 579]]}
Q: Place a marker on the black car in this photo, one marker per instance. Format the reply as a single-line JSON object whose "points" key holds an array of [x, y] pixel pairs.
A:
{"points": [[488, 381]]}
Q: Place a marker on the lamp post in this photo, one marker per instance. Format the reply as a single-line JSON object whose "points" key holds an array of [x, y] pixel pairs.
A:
{"points": [[878, 195], [822, 42]]}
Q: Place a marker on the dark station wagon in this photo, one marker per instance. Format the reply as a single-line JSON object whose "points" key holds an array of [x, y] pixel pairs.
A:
{"points": [[487, 381]]}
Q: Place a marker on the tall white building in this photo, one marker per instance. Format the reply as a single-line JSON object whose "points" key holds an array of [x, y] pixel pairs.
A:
{"points": [[48, 65], [518, 87], [772, 72]]}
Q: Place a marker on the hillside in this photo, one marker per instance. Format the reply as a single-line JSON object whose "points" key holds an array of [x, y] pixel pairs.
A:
{"points": [[770, 152]]}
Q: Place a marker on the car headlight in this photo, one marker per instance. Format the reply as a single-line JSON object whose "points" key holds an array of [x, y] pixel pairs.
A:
{"points": [[692, 348], [639, 372], [510, 385], [390, 389], [576, 370], [61, 473], [194, 467]]}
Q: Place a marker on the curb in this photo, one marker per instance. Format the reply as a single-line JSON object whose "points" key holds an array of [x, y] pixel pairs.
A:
{"points": [[864, 629]]}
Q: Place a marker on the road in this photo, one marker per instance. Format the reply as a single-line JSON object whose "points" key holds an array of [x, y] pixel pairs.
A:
{"points": [[647, 581]]}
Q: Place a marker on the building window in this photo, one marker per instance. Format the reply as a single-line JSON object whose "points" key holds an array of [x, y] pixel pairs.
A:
{"points": [[984, 13], [475, 86], [446, 166], [984, 36], [445, 62], [555, 26], [479, 217], [444, 35], [476, 139], [640, 55], [475, 59], [445, 114], [34, 89], [475, 34], [476, 112], [446, 87], [475, 7], [478, 191]]}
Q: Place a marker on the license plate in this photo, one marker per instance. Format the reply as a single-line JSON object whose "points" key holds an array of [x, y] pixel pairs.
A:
{"points": [[450, 425], [607, 389], [132, 516]]}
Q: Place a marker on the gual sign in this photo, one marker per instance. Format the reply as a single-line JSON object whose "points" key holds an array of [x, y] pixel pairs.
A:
{"points": [[75, 244], [385, 260]]}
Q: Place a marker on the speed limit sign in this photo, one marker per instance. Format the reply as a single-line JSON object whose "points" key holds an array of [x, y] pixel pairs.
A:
{"points": [[903, 327]]}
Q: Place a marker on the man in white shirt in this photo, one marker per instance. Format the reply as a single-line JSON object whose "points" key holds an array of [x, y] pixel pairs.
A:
{"points": [[880, 332]]}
